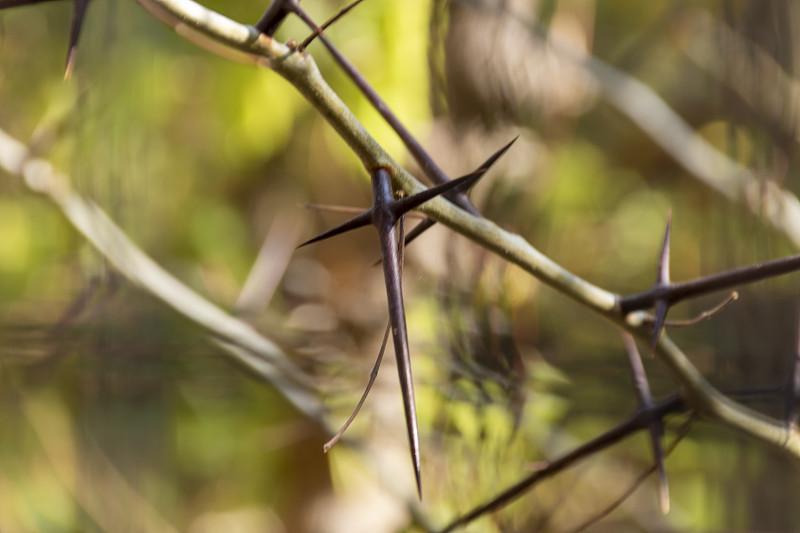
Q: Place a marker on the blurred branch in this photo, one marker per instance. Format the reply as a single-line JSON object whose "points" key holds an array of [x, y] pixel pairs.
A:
{"points": [[697, 156], [238, 339], [270, 265], [127, 510], [749, 70]]}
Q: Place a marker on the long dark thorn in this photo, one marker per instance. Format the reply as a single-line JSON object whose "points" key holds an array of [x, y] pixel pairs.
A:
{"points": [[328, 23], [655, 428], [408, 203], [684, 430], [357, 221], [374, 374], [384, 220], [78, 16], [495, 156], [463, 183]]}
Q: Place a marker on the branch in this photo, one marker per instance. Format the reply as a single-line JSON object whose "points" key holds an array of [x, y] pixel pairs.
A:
{"points": [[676, 292], [749, 70], [639, 420], [668, 130], [697, 156], [301, 71], [238, 339]]}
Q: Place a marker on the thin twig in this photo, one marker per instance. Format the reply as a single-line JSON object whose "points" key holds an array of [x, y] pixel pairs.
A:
{"points": [[328, 23], [639, 420], [682, 432], [372, 376], [705, 315]]}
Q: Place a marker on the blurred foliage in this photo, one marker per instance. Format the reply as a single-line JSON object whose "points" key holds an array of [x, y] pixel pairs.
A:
{"points": [[119, 416]]}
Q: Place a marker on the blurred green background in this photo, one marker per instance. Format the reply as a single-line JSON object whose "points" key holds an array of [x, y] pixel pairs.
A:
{"points": [[119, 415]]}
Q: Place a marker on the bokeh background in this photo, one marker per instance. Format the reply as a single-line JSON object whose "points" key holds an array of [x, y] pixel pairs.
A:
{"points": [[108, 396]]}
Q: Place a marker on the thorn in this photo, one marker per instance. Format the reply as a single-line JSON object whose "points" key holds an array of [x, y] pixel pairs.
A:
{"points": [[661, 306], [663, 263], [404, 205], [357, 221], [497, 155], [384, 219], [661, 309], [274, 16], [656, 430], [386, 213], [645, 401], [78, 16], [374, 374], [663, 489], [460, 184]]}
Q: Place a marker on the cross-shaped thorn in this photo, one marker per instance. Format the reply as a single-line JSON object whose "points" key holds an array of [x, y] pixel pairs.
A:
{"points": [[384, 214]]}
